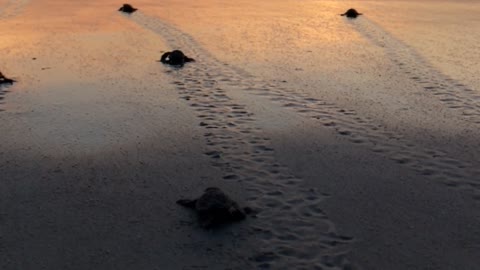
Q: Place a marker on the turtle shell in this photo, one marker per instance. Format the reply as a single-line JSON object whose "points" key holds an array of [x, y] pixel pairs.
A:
{"points": [[127, 8], [176, 58], [214, 207], [351, 13]]}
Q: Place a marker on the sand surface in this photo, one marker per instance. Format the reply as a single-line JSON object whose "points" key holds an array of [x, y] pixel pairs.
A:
{"points": [[355, 140]]}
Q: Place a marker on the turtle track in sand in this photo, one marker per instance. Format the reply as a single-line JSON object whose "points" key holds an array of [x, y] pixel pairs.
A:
{"points": [[205, 85], [435, 163], [294, 231], [12, 8], [3, 91], [455, 95]]}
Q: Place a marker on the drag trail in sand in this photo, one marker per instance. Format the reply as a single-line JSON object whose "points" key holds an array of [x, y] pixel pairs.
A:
{"points": [[296, 233], [219, 112], [12, 8], [334, 161], [96, 149], [436, 163], [454, 94]]}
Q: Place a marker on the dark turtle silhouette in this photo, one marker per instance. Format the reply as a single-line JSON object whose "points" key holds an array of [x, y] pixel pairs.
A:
{"points": [[215, 208], [5, 80], [351, 13], [127, 8], [175, 58]]}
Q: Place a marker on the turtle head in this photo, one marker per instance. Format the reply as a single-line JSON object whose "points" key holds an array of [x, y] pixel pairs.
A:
{"points": [[187, 203]]}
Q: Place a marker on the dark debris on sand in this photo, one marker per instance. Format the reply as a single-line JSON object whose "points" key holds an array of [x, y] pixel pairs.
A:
{"points": [[175, 58], [127, 8], [351, 13], [215, 208]]}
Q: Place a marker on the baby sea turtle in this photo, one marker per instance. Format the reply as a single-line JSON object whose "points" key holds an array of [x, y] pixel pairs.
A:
{"points": [[127, 8], [351, 13], [5, 80], [215, 207], [175, 58]]}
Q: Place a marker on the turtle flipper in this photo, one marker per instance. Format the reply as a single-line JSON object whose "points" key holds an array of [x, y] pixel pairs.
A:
{"points": [[9, 81], [187, 203], [188, 59], [5, 80]]}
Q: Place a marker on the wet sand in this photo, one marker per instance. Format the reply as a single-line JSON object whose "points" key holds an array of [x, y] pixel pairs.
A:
{"points": [[354, 139]]}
